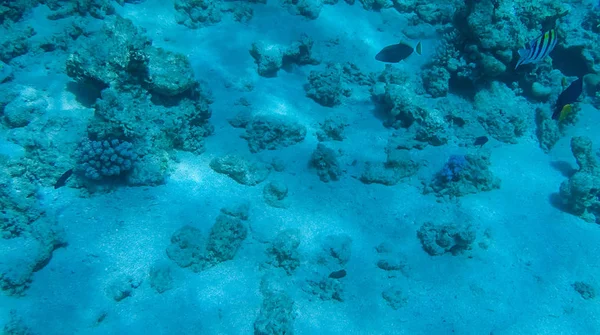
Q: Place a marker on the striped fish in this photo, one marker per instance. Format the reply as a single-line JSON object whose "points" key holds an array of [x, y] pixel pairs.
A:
{"points": [[537, 49]]}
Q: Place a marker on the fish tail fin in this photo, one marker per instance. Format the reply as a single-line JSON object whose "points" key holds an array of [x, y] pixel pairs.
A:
{"points": [[419, 48], [522, 57], [564, 112]]}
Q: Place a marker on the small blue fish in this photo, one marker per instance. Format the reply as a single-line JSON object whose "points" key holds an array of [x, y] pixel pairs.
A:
{"points": [[538, 48]]}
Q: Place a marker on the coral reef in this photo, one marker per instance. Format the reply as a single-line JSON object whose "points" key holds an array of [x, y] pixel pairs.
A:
{"points": [[325, 288], [502, 113], [405, 109], [586, 290], [122, 288], [275, 194], [16, 325], [438, 239], [189, 247], [271, 132], [117, 56], [332, 128], [580, 193], [325, 160], [548, 130], [19, 208], [144, 95], [454, 168], [491, 32], [307, 8], [391, 260], [28, 252], [6, 72], [61, 9], [104, 159], [161, 278], [244, 171], [464, 175], [198, 13], [283, 251], [394, 297], [270, 58], [24, 108], [329, 86], [399, 164], [276, 314], [14, 42], [14, 10], [335, 250]]}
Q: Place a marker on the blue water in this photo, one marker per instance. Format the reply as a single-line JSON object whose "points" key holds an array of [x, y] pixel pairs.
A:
{"points": [[230, 167]]}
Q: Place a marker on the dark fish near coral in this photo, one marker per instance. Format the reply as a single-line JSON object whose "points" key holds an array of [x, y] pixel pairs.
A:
{"points": [[565, 100], [397, 52], [338, 274], [63, 179], [481, 140], [538, 48]]}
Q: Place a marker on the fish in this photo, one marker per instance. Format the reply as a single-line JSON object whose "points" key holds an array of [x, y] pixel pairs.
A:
{"points": [[566, 110], [538, 48], [480, 141], [567, 97], [60, 182], [338, 274], [396, 52]]}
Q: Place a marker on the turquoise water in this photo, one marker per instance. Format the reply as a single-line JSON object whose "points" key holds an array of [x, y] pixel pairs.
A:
{"points": [[232, 167]]}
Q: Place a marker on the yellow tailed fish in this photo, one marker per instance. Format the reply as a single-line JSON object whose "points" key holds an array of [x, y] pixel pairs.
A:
{"points": [[566, 110]]}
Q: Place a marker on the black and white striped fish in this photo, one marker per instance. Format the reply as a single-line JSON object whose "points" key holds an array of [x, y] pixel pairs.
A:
{"points": [[538, 48]]}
